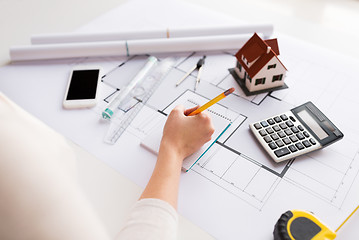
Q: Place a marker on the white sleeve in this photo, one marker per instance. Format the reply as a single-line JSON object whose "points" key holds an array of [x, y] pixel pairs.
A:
{"points": [[40, 197], [150, 219]]}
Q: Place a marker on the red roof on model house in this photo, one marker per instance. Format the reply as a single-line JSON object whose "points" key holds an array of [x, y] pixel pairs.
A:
{"points": [[260, 50]]}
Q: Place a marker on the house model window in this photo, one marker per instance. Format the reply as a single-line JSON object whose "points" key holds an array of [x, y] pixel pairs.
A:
{"points": [[260, 81], [271, 66], [258, 60], [277, 78]]}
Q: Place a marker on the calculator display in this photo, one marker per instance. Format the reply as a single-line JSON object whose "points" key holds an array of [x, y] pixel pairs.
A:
{"points": [[312, 124]]}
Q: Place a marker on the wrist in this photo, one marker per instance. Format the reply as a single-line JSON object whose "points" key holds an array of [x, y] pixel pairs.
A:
{"points": [[169, 160], [172, 148]]}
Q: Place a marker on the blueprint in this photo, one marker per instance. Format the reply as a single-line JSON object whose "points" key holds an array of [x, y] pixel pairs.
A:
{"points": [[235, 188], [236, 168]]}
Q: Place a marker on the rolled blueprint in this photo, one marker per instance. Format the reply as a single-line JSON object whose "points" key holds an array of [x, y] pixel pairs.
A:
{"points": [[264, 29], [127, 48]]}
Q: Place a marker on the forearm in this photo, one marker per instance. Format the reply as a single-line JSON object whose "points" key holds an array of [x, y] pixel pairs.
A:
{"points": [[164, 181], [182, 136]]}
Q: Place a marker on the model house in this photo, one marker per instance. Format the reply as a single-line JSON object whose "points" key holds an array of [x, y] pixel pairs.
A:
{"points": [[258, 67]]}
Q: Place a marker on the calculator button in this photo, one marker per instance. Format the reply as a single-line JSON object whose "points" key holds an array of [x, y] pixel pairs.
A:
{"points": [[306, 143], [262, 133], [269, 130], [279, 143], [289, 124], [286, 141], [288, 132], [292, 148], [264, 124], [267, 139], [300, 127], [299, 146], [283, 126], [312, 141], [276, 128], [292, 118], [300, 136], [271, 121], [281, 134], [281, 152], [295, 129], [257, 126], [284, 117], [272, 145], [306, 134], [277, 119], [293, 138], [274, 136]]}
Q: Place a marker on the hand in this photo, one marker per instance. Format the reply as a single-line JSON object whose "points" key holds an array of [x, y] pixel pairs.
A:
{"points": [[182, 136], [186, 134]]}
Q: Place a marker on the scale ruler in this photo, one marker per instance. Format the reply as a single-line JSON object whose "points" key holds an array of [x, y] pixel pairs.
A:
{"points": [[148, 85]]}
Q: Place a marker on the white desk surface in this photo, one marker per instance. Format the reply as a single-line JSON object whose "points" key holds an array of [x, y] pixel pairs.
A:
{"points": [[329, 23]]}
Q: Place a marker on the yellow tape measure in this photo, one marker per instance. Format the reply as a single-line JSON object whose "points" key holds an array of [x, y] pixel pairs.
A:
{"points": [[298, 224], [303, 225]]}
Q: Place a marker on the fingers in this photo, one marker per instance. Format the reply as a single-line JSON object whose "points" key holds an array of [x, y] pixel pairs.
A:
{"points": [[188, 111], [187, 134], [204, 115], [180, 108], [206, 121], [178, 111]]}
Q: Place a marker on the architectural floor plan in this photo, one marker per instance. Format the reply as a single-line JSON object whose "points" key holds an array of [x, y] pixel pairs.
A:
{"points": [[234, 189], [235, 165]]}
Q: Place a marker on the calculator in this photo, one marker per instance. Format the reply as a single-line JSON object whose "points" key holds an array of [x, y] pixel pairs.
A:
{"points": [[301, 130]]}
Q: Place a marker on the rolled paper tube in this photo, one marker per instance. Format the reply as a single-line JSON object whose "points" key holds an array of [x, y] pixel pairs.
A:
{"points": [[127, 48], [263, 29]]}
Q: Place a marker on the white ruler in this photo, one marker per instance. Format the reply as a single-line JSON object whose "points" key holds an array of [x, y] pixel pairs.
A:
{"points": [[149, 84]]}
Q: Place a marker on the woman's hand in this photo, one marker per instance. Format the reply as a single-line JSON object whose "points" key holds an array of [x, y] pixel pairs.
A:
{"points": [[182, 136], [186, 134]]}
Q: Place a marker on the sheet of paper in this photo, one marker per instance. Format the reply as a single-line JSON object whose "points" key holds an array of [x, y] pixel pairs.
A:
{"points": [[235, 188], [221, 117]]}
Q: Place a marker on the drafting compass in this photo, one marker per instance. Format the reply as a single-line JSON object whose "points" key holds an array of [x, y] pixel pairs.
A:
{"points": [[198, 67]]}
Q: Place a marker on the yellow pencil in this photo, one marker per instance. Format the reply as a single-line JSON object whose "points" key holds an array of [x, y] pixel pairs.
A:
{"points": [[211, 102]]}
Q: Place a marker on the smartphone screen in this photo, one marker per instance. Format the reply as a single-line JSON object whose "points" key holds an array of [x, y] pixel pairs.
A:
{"points": [[83, 84]]}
